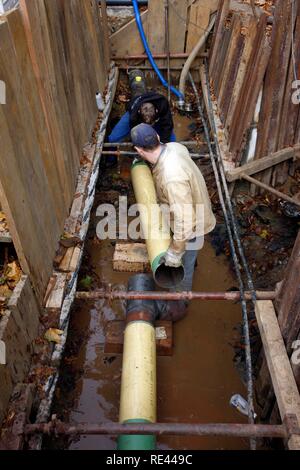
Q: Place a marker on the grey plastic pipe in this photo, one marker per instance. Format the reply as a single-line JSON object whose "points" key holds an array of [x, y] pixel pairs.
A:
{"points": [[194, 54]]}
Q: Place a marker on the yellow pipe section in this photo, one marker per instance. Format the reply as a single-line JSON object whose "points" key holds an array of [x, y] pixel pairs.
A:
{"points": [[138, 389], [155, 229]]}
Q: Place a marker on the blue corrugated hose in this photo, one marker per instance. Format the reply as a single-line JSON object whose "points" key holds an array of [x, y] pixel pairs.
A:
{"points": [[148, 52]]}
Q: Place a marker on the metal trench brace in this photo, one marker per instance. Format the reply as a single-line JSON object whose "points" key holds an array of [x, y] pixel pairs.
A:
{"points": [[16, 434]]}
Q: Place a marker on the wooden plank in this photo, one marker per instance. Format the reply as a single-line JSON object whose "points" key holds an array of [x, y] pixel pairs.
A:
{"points": [[133, 41], [96, 39], [131, 257], [290, 111], [178, 26], [274, 89], [231, 62], [288, 300], [31, 203], [220, 65], [223, 11], [250, 90], [114, 337], [198, 22], [283, 380], [57, 294], [249, 43], [156, 34], [33, 15], [268, 188], [18, 329], [262, 164], [105, 29], [30, 89]]}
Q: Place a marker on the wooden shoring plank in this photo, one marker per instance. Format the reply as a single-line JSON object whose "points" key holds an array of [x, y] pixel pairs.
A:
{"points": [[105, 29], [270, 189], [221, 132], [231, 61], [178, 26], [81, 69], [27, 202], [156, 33], [41, 56], [220, 64], [288, 300], [283, 380], [250, 90], [30, 89], [19, 327], [198, 22], [57, 294], [133, 43], [275, 83], [224, 6], [51, 11], [96, 42], [290, 110], [249, 41], [264, 163]]}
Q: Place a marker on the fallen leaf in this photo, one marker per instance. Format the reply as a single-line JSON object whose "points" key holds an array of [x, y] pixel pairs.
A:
{"points": [[5, 291], [13, 273], [264, 234], [123, 99], [53, 335]]}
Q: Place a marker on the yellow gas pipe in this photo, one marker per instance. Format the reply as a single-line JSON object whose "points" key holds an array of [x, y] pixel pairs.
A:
{"points": [[154, 226]]}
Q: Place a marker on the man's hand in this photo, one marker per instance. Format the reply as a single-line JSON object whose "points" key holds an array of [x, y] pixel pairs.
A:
{"points": [[173, 259]]}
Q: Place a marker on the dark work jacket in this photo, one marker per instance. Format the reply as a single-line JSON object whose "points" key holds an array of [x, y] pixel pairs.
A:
{"points": [[164, 122]]}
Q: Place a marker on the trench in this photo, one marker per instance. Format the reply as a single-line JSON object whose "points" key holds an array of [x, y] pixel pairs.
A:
{"points": [[194, 385]]}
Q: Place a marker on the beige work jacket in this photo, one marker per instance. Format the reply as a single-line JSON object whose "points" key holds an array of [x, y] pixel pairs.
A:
{"points": [[180, 185]]}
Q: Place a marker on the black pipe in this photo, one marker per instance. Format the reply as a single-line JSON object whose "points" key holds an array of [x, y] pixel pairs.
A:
{"points": [[124, 3], [143, 283], [137, 83]]}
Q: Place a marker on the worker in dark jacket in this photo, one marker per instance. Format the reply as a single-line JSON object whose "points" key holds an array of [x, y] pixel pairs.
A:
{"points": [[145, 107]]}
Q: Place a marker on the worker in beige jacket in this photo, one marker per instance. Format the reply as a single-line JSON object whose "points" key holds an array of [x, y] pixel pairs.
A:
{"points": [[179, 184]]}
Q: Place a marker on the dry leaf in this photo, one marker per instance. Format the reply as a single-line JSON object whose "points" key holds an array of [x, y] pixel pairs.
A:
{"points": [[123, 99], [53, 335], [13, 272], [5, 291]]}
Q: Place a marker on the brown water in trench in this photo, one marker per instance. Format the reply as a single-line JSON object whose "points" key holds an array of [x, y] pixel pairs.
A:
{"points": [[194, 385]]}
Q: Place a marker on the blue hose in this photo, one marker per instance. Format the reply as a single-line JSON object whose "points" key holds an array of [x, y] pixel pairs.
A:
{"points": [[149, 54]]}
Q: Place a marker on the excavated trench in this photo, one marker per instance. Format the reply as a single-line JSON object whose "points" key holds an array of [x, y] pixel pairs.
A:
{"points": [[195, 384]]}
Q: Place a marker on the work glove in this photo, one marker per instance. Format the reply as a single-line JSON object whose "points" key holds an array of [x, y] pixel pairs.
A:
{"points": [[173, 259]]}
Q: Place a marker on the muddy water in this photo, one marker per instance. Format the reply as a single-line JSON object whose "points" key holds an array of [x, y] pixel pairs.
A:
{"points": [[194, 385]]}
